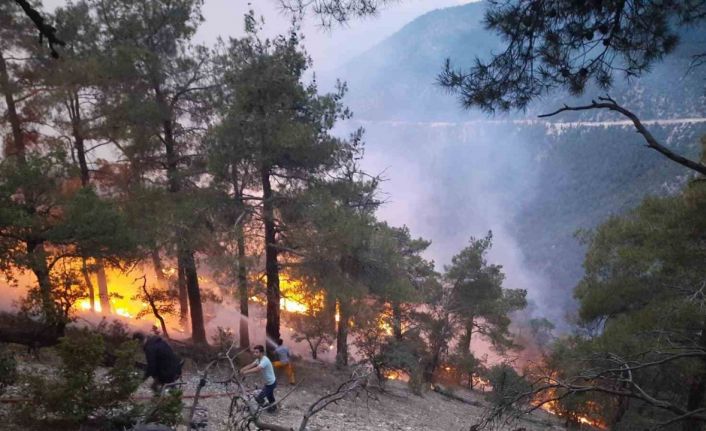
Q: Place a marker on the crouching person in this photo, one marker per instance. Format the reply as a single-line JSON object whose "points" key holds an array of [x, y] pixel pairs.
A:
{"points": [[263, 366], [163, 365], [284, 361]]}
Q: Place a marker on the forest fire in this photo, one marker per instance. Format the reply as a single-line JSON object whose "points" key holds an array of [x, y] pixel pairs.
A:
{"points": [[292, 299], [122, 289], [552, 406], [396, 375]]}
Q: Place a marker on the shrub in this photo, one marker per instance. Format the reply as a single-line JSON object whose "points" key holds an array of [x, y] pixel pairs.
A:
{"points": [[8, 369], [77, 394], [507, 384]]}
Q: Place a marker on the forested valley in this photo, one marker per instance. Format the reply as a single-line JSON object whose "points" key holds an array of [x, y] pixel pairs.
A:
{"points": [[531, 258]]}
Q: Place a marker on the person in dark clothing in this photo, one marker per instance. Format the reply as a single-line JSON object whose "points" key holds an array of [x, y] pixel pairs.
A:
{"points": [[163, 365]]}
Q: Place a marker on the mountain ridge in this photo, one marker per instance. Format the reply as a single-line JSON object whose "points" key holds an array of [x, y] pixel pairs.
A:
{"points": [[534, 182]]}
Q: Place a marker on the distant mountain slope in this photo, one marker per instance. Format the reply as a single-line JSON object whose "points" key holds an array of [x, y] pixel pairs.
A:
{"points": [[456, 173], [401, 72]]}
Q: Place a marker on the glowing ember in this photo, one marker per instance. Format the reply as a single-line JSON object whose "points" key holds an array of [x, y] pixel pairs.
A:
{"points": [[289, 304], [123, 312], [292, 300], [552, 407]]}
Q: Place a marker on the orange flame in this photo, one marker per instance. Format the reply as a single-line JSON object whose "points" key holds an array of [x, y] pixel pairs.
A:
{"points": [[552, 407]]}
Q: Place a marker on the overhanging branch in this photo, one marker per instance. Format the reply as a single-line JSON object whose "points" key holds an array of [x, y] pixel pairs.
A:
{"points": [[610, 104], [45, 30]]}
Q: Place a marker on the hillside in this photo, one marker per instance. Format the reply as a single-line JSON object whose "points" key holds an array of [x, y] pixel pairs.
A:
{"points": [[393, 407], [535, 183]]}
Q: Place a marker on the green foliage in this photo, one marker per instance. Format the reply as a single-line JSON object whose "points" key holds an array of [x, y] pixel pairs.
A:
{"points": [[386, 353], [332, 12], [410, 355], [167, 410], [641, 309], [477, 295], [507, 384], [567, 44], [467, 366], [45, 223], [8, 369], [77, 394], [316, 328]]}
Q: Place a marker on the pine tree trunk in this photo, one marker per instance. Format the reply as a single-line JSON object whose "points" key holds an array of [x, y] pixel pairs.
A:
{"points": [[464, 343], [330, 311], [17, 148], [243, 290], [38, 265], [437, 338], [198, 328], [271, 264], [183, 295], [242, 277], [89, 284], [74, 108], [342, 334], [397, 320], [103, 293], [158, 268], [189, 284], [697, 390]]}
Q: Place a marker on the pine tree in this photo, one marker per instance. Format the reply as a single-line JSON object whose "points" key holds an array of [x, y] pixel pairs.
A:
{"points": [[161, 96], [278, 131], [568, 45], [478, 298]]}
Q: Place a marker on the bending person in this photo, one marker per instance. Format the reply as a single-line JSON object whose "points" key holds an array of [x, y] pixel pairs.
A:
{"points": [[284, 361], [163, 365]]}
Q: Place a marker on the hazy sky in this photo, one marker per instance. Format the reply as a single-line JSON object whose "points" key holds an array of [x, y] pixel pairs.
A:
{"points": [[328, 48]]}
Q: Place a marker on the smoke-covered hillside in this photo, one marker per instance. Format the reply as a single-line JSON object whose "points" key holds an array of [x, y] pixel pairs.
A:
{"points": [[454, 173]]}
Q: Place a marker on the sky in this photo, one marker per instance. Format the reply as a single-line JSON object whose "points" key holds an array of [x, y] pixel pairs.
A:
{"points": [[328, 48], [447, 194]]}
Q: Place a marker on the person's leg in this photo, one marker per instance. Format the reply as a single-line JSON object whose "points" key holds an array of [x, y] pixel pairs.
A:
{"points": [[290, 374], [260, 398], [156, 386], [271, 396], [278, 365]]}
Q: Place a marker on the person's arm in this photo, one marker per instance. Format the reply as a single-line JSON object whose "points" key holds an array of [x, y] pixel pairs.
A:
{"points": [[248, 371], [248, 367], [254, 369]]}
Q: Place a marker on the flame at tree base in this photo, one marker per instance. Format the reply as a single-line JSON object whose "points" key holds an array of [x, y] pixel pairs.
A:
{"points": [[552, 407]]}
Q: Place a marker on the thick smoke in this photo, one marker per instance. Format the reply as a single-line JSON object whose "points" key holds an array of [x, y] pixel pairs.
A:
{"points": [[452, 181]]}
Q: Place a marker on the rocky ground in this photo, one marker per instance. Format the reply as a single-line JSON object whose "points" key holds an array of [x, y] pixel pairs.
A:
{"points": [[395, 408]]}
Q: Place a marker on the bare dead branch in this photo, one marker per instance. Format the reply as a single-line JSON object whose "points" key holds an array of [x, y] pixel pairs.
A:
{"points": [[45, 30], [153, 305], [610, 104], [357, 382]]}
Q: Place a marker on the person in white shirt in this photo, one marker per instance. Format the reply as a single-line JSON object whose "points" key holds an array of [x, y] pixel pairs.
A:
{"points": [[263, 365]]}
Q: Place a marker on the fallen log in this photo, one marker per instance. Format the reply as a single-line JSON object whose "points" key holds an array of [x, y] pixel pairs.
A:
{"points": [[28, 332]]}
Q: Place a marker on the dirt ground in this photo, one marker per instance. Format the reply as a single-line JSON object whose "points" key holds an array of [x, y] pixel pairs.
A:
{"points": [[397, 408]]}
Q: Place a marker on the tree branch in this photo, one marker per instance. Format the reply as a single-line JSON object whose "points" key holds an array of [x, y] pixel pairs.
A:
{"points": [[610, 104], [45, 30]]}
